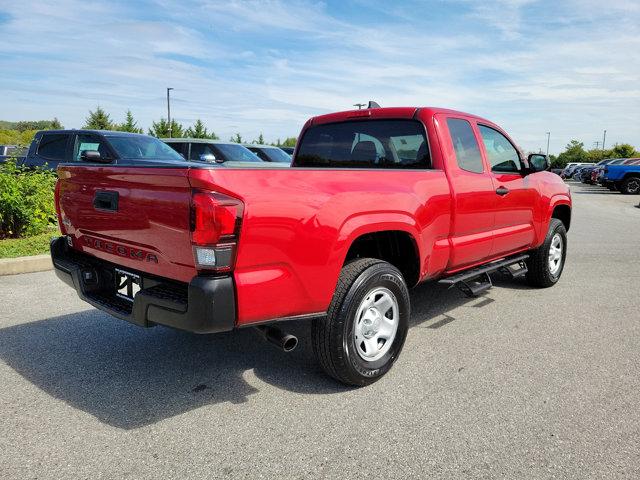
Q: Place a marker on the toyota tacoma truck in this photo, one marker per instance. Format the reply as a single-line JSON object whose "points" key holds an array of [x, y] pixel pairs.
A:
{"points": [[376, 201]]}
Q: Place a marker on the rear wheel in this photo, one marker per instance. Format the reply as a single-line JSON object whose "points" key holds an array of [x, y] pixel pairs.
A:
{"points": [[366, 324], [546, 263], [630, 186]]}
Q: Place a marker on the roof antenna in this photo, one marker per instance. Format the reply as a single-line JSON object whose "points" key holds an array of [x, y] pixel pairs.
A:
{"points": [[373, 104]]}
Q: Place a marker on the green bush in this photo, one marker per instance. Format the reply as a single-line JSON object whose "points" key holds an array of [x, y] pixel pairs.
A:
{"points": [[26, 201]]}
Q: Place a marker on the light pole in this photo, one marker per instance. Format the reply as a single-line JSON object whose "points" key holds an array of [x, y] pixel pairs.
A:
{"points": [[548, 138], [359, 105], [169, 110], [604, 137]]}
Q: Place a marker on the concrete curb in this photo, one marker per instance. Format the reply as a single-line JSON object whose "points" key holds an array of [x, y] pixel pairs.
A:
{"points": [[36, 263]]}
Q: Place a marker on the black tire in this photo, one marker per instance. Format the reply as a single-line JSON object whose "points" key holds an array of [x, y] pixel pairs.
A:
{"points": [[630, 186], [333, 335], [540, 274]]}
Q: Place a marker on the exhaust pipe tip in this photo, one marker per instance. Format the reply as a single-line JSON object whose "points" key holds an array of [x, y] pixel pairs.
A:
{"points": [[284, 341]]}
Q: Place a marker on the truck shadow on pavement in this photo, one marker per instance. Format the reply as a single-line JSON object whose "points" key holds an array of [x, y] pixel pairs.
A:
{"points": [[129, 377]]}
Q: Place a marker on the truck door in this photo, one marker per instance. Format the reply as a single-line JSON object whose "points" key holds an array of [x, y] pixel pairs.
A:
{"points": [[474, 196], [516, 195]]}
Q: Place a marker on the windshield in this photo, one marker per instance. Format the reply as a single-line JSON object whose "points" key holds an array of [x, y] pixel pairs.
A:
{"points": [[235, 153], [277, 155], [143, 148]]}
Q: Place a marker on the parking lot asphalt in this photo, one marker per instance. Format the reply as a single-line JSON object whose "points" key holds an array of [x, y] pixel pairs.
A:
{"points": [[520, 383]]}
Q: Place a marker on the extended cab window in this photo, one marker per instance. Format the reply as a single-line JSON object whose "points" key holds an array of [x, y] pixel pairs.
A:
{"points": [[53, 146], [502, 155], [365, 144], [465, 145]]}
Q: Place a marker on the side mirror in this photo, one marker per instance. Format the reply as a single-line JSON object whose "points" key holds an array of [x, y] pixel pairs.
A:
{"points": [[93, 156], [538, 162], [207, 157]]}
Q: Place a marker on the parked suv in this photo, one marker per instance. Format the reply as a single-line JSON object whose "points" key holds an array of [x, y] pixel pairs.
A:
{"points": [[268, 153], [50, 148], [212, 151]]}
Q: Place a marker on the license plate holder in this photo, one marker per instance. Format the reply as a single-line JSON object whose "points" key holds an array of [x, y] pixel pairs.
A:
{"points": [[127, 284]]}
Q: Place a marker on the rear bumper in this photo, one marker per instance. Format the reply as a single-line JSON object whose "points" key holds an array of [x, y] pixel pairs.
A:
{"points": [[204, 305]]}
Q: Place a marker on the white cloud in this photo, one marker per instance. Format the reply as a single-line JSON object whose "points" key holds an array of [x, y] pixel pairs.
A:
{"points": [[267, 66]]}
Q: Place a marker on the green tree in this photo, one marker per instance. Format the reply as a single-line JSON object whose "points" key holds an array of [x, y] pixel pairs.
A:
{"points": [[160, 129], [624, 150], [237, 138], [259, 140], [98, 120], [130, 125], [198, 130], [55, 124], [574, 152], [290, 142]]}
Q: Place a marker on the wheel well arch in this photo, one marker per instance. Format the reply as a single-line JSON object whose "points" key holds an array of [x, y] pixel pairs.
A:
{"points": [[631, 174], [397, 247], [563, 213]]}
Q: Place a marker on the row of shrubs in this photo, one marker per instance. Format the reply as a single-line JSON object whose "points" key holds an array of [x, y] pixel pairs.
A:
{"points": [[27, 205]]}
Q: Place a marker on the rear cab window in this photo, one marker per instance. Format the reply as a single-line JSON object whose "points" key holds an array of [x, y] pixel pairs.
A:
{"points": [[465, 145], [386, 144]]}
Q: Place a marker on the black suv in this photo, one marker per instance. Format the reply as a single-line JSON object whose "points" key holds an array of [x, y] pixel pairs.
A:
{"points": [[51, 147]]}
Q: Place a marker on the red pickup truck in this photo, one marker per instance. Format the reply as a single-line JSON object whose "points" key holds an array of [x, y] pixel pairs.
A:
{"points": [[376, 200]]}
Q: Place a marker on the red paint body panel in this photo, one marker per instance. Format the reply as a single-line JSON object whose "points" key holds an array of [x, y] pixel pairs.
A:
{"points": [[299, 223]]}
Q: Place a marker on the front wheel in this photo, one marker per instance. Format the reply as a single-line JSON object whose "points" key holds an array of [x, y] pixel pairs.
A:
{"points": [[546, 263], [364, 330], [630, 186]]}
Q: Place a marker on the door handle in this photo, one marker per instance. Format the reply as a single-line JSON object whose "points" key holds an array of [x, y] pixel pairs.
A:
{"points": [[105, 200], [502, 191]]}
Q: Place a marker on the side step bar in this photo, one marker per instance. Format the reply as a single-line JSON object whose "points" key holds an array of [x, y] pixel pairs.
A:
{"points": [[476, 280]]}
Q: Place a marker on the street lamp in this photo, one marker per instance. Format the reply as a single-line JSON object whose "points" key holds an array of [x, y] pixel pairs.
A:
{"points": [[604, 137], [359, 105], [169, 110], [548, 138]]}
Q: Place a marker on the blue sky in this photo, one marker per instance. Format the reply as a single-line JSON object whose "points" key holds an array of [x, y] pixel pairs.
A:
{"points": [[571, 67]]}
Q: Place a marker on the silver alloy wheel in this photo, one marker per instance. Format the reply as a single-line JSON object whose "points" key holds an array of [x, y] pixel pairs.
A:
{"points": [[376, 323], [633, 186], [555, 254]]}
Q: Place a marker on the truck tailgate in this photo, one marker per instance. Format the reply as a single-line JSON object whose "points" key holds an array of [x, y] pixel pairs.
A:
{"points": [[136, 217]]}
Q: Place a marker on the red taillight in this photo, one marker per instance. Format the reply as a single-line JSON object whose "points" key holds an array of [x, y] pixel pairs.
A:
{"points": [[215, 226]]}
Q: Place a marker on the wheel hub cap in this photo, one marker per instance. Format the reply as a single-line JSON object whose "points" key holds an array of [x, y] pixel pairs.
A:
{"points": [[376, 324], [555, 254]]}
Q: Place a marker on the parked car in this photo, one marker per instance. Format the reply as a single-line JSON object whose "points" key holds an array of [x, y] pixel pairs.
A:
{"points": [[570, 168], [268, 153], [374, 202], [288, 150], [585, 172], [51, 148], [624, 177], [11, 151], [228, 154], [600, 170]]}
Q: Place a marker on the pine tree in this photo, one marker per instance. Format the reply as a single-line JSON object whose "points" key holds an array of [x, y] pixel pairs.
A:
{"points": [[259, 140], [130, 125], [55, 124], [98, 120], [198, 130], [160, 129], [237, 138]]}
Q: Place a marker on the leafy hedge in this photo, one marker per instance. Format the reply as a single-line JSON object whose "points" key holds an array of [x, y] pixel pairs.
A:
{"points": [[26, 201]]}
